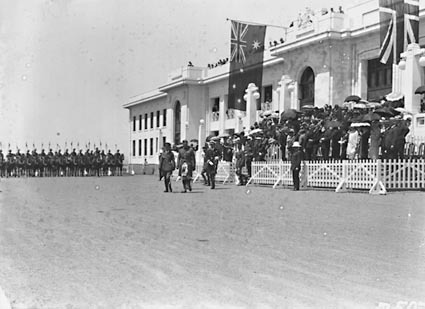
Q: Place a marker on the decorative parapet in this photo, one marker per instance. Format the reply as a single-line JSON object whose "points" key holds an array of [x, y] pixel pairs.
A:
{"points": [[186, 73]]}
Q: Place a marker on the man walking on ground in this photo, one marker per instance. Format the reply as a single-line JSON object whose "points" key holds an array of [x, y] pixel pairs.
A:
{"points": [[296, 159], [167, 166], [186, 163]]}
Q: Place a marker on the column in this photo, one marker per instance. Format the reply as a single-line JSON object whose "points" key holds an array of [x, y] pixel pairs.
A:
{"points": [[184, 121], [201, 134], [283, 92], [251, 96], [222, 116], [411, 77]]}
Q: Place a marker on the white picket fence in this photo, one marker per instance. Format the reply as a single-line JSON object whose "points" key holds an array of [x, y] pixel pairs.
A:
{"points": [[374, 175]]}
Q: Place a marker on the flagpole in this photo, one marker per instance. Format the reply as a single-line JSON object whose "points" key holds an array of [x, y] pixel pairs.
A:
{"points": [[257, 24]]}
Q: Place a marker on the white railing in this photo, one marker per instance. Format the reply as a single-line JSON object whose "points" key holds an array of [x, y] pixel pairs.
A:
{"points": [[374, 175]]}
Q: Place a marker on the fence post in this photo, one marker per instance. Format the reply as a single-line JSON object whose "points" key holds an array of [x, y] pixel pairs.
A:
{"points": [[304, 180], [342, 186], [378, 187]]}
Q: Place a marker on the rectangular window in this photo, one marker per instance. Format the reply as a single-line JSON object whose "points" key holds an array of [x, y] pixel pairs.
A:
{"points": [[134, 123], [164, 118], [140, 121], [164, 140], [151, 120], [146, 121], [158, 123], [140, 147], [151, 146], [267, 94], [420, 121], [146, 147], [134, 148], [156, 145]]}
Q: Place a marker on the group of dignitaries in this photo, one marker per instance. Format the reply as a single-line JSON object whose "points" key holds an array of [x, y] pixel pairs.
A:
{"points": [[186, 164], [54, 164]]}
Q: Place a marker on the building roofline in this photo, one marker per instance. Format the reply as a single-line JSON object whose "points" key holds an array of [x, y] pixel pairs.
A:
{"points": [[145, 97]]}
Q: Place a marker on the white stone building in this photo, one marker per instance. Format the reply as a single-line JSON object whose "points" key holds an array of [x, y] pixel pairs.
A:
{"points": [[324, 58]]}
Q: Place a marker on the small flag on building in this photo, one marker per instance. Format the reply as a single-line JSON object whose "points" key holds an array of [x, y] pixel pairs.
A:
{"points": [[246, 61], [399, 20]]}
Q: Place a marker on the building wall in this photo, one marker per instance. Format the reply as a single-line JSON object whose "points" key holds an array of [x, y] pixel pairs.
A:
{"points": [[155, 132], [339, 61]]}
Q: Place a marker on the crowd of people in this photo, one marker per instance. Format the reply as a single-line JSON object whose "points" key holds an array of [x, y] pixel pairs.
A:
{"points": [[55, 163], [356, 130]]}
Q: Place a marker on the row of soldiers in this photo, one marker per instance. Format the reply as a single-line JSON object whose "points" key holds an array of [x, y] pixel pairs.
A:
{"points": [[55, 163]]}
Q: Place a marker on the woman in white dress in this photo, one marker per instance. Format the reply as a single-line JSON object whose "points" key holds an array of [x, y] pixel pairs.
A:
{"points": [[353, 142]]}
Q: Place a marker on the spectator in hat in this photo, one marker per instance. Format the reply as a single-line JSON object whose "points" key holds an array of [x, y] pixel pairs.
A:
{"points": [[296, 159]]}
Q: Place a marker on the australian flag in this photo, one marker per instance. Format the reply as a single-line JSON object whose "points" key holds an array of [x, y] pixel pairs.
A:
{"points": [[399, 21], [246, 61]]}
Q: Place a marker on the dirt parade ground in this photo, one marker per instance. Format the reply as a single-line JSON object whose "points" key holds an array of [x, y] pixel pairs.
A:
{"points": [[120, 242]]}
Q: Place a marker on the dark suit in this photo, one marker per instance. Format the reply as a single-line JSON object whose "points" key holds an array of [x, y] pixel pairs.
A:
{"points": [[166, 167], [296, 159]]}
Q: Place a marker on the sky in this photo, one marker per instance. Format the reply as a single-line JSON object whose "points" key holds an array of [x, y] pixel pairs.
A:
{"points": [[68, 66]]}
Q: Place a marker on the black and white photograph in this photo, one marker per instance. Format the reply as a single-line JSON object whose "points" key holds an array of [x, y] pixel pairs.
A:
{"points": [[212, 154]]}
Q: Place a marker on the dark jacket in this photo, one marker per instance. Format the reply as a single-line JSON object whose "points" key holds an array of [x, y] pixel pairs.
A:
{"points": [[296, 158], [167, 163]]}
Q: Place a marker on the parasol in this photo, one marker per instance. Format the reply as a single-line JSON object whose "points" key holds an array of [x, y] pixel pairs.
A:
{"points": [[289, 114], [374, 104], [394, 96], [360, 124], [354, 98], [420, 90], [360, 105], [255, 131], [266, 113], [402, 110], [386, 112], [307, 107]]}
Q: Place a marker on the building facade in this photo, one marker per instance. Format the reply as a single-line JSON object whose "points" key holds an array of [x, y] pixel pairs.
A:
{"points": [[324, 57]]}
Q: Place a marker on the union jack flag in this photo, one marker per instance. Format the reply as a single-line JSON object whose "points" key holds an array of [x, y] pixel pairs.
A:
{"points": [[399, 27], [238, 42]]}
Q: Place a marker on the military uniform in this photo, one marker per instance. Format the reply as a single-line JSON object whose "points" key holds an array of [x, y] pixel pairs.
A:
{"points": [[186, 163], [167, 166]]}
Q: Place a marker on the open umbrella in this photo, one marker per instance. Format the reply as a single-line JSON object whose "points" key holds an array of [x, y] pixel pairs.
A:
{"points": [[402, 110], [394, 96], [360, 105], [360, 124], [255, 131], [354, 98], [386, 112], [289, 114], [266, 113], [420, 90], [307, 107], [374, 104]]}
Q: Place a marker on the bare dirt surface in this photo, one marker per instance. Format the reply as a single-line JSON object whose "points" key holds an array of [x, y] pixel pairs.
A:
{"points": [[120, 242]]}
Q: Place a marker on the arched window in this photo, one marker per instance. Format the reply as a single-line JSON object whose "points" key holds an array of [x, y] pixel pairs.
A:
{"points": [[307, 87], [177, 123]]}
